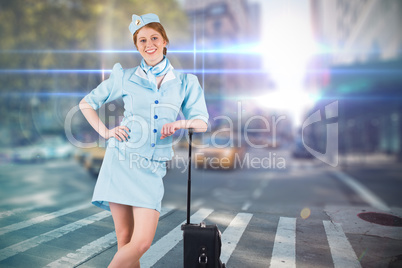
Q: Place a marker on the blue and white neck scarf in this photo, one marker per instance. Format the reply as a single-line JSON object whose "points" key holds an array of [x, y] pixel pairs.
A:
{"points": [[158, 70]]}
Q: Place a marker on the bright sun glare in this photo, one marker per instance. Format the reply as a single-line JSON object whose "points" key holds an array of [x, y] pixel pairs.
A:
{"points": [[287, 46]]}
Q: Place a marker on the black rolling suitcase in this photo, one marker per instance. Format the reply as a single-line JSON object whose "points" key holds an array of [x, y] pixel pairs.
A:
{"points": [[202, 243]]}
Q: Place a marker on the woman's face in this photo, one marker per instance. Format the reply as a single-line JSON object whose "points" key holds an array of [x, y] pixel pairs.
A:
{"points": [[150, 44]]}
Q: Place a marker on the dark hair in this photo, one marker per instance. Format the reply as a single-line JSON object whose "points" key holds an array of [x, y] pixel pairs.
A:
{"points": [[157, 27]]}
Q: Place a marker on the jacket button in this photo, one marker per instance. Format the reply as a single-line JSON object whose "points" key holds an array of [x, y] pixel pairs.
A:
{"points": [[156, 101], [155, 130], [152, 144], [155, 116]]}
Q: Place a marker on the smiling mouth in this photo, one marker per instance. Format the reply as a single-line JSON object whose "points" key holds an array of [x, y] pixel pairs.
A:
{"points": [[150, 51]]}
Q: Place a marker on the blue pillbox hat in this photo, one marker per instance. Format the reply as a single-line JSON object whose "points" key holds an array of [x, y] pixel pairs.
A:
{"points": [[140, 21]]}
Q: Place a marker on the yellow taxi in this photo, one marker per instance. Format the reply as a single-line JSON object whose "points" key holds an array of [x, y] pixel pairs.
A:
{"points": [[91, 158], [218, 153]]}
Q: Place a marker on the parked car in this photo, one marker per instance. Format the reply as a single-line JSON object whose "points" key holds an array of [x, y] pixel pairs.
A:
{"points": [[57, 147], [50, 147], [30, 153], [299, 151]]}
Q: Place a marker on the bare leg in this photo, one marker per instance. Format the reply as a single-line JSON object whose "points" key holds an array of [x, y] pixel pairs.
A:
{"points": [[146, 221], [123, 223]]}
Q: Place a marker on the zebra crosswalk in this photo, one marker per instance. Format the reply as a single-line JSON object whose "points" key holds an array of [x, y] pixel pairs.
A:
{"points": [[48, 236], [39, 219], [242, 233], [73, 259]]}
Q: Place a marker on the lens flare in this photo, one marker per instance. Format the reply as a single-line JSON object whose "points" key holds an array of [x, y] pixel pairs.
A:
{"points": [[305, 213]]}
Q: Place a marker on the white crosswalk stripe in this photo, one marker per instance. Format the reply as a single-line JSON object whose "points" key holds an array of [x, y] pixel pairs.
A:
{"points": [[284, 251], [231, 236], [341, 250], [56, 233], [46, 217], [86, 252]]}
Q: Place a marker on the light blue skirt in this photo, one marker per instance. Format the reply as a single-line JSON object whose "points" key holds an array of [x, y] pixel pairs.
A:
{"points": [[129, 179]]}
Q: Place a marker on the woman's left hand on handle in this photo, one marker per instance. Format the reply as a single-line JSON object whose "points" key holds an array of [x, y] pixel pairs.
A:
{"points": [[169, 129]]}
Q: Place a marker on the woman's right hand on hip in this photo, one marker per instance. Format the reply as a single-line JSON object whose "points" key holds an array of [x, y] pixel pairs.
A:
{"points": [[119, 132]]}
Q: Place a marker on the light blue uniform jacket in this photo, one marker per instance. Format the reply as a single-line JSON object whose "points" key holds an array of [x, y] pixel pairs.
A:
{"points": [[147, 109]]}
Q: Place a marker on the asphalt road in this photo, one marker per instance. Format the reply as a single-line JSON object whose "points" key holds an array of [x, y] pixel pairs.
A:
{"points": [[302, 213]]}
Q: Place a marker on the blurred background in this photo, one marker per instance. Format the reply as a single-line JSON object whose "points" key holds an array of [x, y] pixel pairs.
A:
{"points": [[305, 107], [280, 60], [265, 66]]}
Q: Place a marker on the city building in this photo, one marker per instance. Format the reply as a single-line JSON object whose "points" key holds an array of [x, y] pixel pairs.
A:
{"points": [[360, 66], [225, 31]]}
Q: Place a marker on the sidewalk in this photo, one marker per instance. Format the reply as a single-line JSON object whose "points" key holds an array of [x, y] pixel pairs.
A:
{"points": [[382, 175], [370, 165], [361, 160]]}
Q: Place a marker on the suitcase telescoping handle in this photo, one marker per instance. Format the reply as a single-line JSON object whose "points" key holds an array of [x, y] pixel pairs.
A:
{"points": [[190, 136]]}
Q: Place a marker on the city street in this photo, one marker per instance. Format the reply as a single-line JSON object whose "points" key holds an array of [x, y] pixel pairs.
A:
{"points": [[303, 214], [297, 117]]}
